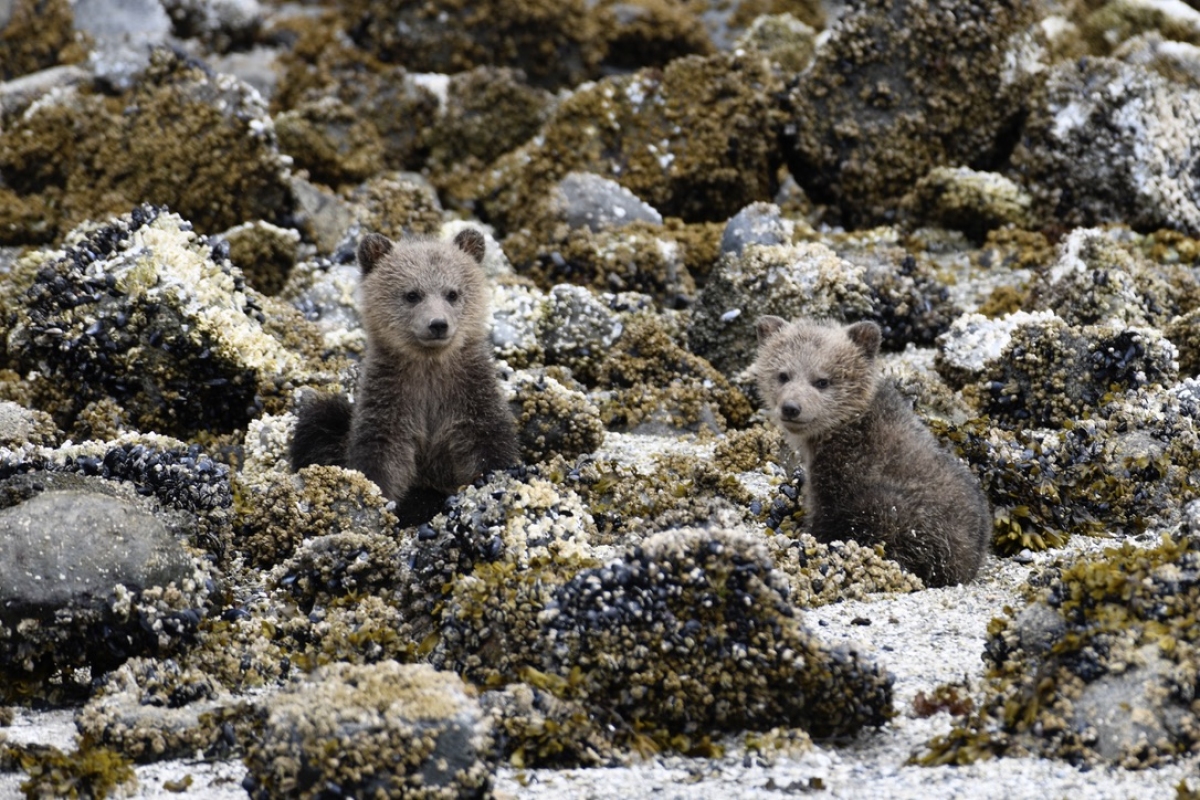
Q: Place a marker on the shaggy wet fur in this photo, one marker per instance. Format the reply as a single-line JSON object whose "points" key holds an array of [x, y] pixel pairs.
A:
{"points": [[875, 474], [428, 417]]}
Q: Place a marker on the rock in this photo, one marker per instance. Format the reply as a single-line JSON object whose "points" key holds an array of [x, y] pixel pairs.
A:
{"points": [[1112, 142], [872, 115], [589, 201], [1097, 281], [388, 728], [553, 419], [1049, 371], [692, 630], [975, 343], [576, 330], [970, 201], [265, 253], [664, 135], [1176, 61], [109, 157], [38, 35], [1117, 21], [785, 280], [154, 710], [20, 425], [223, 25], [487, 112], [1100, 684], [757, 223], [553, 44], [120, 584], [142, 312]]}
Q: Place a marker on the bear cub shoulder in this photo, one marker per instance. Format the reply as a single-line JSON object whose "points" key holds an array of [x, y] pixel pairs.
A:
{"points": [[874, 472], [428, 415]]}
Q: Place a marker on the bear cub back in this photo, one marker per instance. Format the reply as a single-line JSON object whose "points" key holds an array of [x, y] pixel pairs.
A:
{"points": [[874, 472]]}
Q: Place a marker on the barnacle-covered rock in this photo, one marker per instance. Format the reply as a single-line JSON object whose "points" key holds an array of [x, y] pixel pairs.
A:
{"points": [[265, 253], [1096, 280], [553, 417], [119, 584], [1112, 142], [692, 631], [663, 134], [487, 111], [1050, 372], [968, 200], [36, 34], [789, 281], [349, 562], [155, 709], [180, 477], [576, 329], [143, 311], [872, 115], [387, 729], [819, 574], [276, 510], [758, 223], [1098, 668], [1125, 468], [666, 490], [908, 300], [974, 343], [555, 44], [536, 728], [330, 140], [77, 157], [479, 571], [20, 425], [655, 385], [391, 109]]}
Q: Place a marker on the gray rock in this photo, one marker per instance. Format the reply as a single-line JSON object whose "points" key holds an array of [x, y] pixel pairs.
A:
{"points": [[84, 569], [1132, 710], [384, 729], [785, 280], [587, 200], [1113, 142], [223, 25], [757, 223], [576, 329], [975, 342], [20, 425], [123, 33], [898, 88]]}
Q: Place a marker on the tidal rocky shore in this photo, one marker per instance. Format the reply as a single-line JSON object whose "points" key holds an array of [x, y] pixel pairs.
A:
{"points": [[1010, 190]]}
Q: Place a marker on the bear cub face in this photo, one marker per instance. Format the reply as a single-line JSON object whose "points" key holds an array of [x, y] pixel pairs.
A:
{"points": [[813, 377], [423, 299]]}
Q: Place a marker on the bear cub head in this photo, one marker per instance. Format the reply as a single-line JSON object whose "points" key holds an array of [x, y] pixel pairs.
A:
{"points": [[423, 297], [814, 377]]}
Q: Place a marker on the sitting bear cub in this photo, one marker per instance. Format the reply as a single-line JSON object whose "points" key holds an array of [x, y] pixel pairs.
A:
{"points": [[875, 474], [429, 416]]}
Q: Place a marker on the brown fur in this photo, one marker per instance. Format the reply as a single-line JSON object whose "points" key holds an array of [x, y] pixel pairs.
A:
{"points": [[875, 474], [428, 416]]}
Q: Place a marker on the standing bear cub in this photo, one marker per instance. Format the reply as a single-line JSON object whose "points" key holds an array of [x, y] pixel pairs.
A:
{"points": [[875, 474], [428, 417]]}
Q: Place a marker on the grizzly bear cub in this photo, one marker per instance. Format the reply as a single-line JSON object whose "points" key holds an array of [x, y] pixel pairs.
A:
{"points": [[428, 417], [875, 474]]}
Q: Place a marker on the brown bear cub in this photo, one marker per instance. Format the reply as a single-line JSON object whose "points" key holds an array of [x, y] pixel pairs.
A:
{"points": [[428, 417], [875, 474]]}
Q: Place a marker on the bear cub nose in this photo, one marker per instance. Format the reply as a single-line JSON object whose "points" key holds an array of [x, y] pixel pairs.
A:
{"points": [[790, 410], [438, 328]]}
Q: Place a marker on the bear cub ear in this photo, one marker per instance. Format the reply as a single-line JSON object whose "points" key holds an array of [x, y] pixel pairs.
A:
{"points": [[471, 242], [867, 336], [768, 326], [371, 250]]}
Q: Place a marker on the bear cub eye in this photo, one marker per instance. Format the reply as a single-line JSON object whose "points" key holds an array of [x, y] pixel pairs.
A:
{"points": [[452, 296], [412, 296], [783, 377], [821, 383]]}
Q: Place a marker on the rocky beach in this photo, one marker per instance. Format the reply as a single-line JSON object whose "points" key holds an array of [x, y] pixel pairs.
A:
{"points": [[1009, 190]]}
